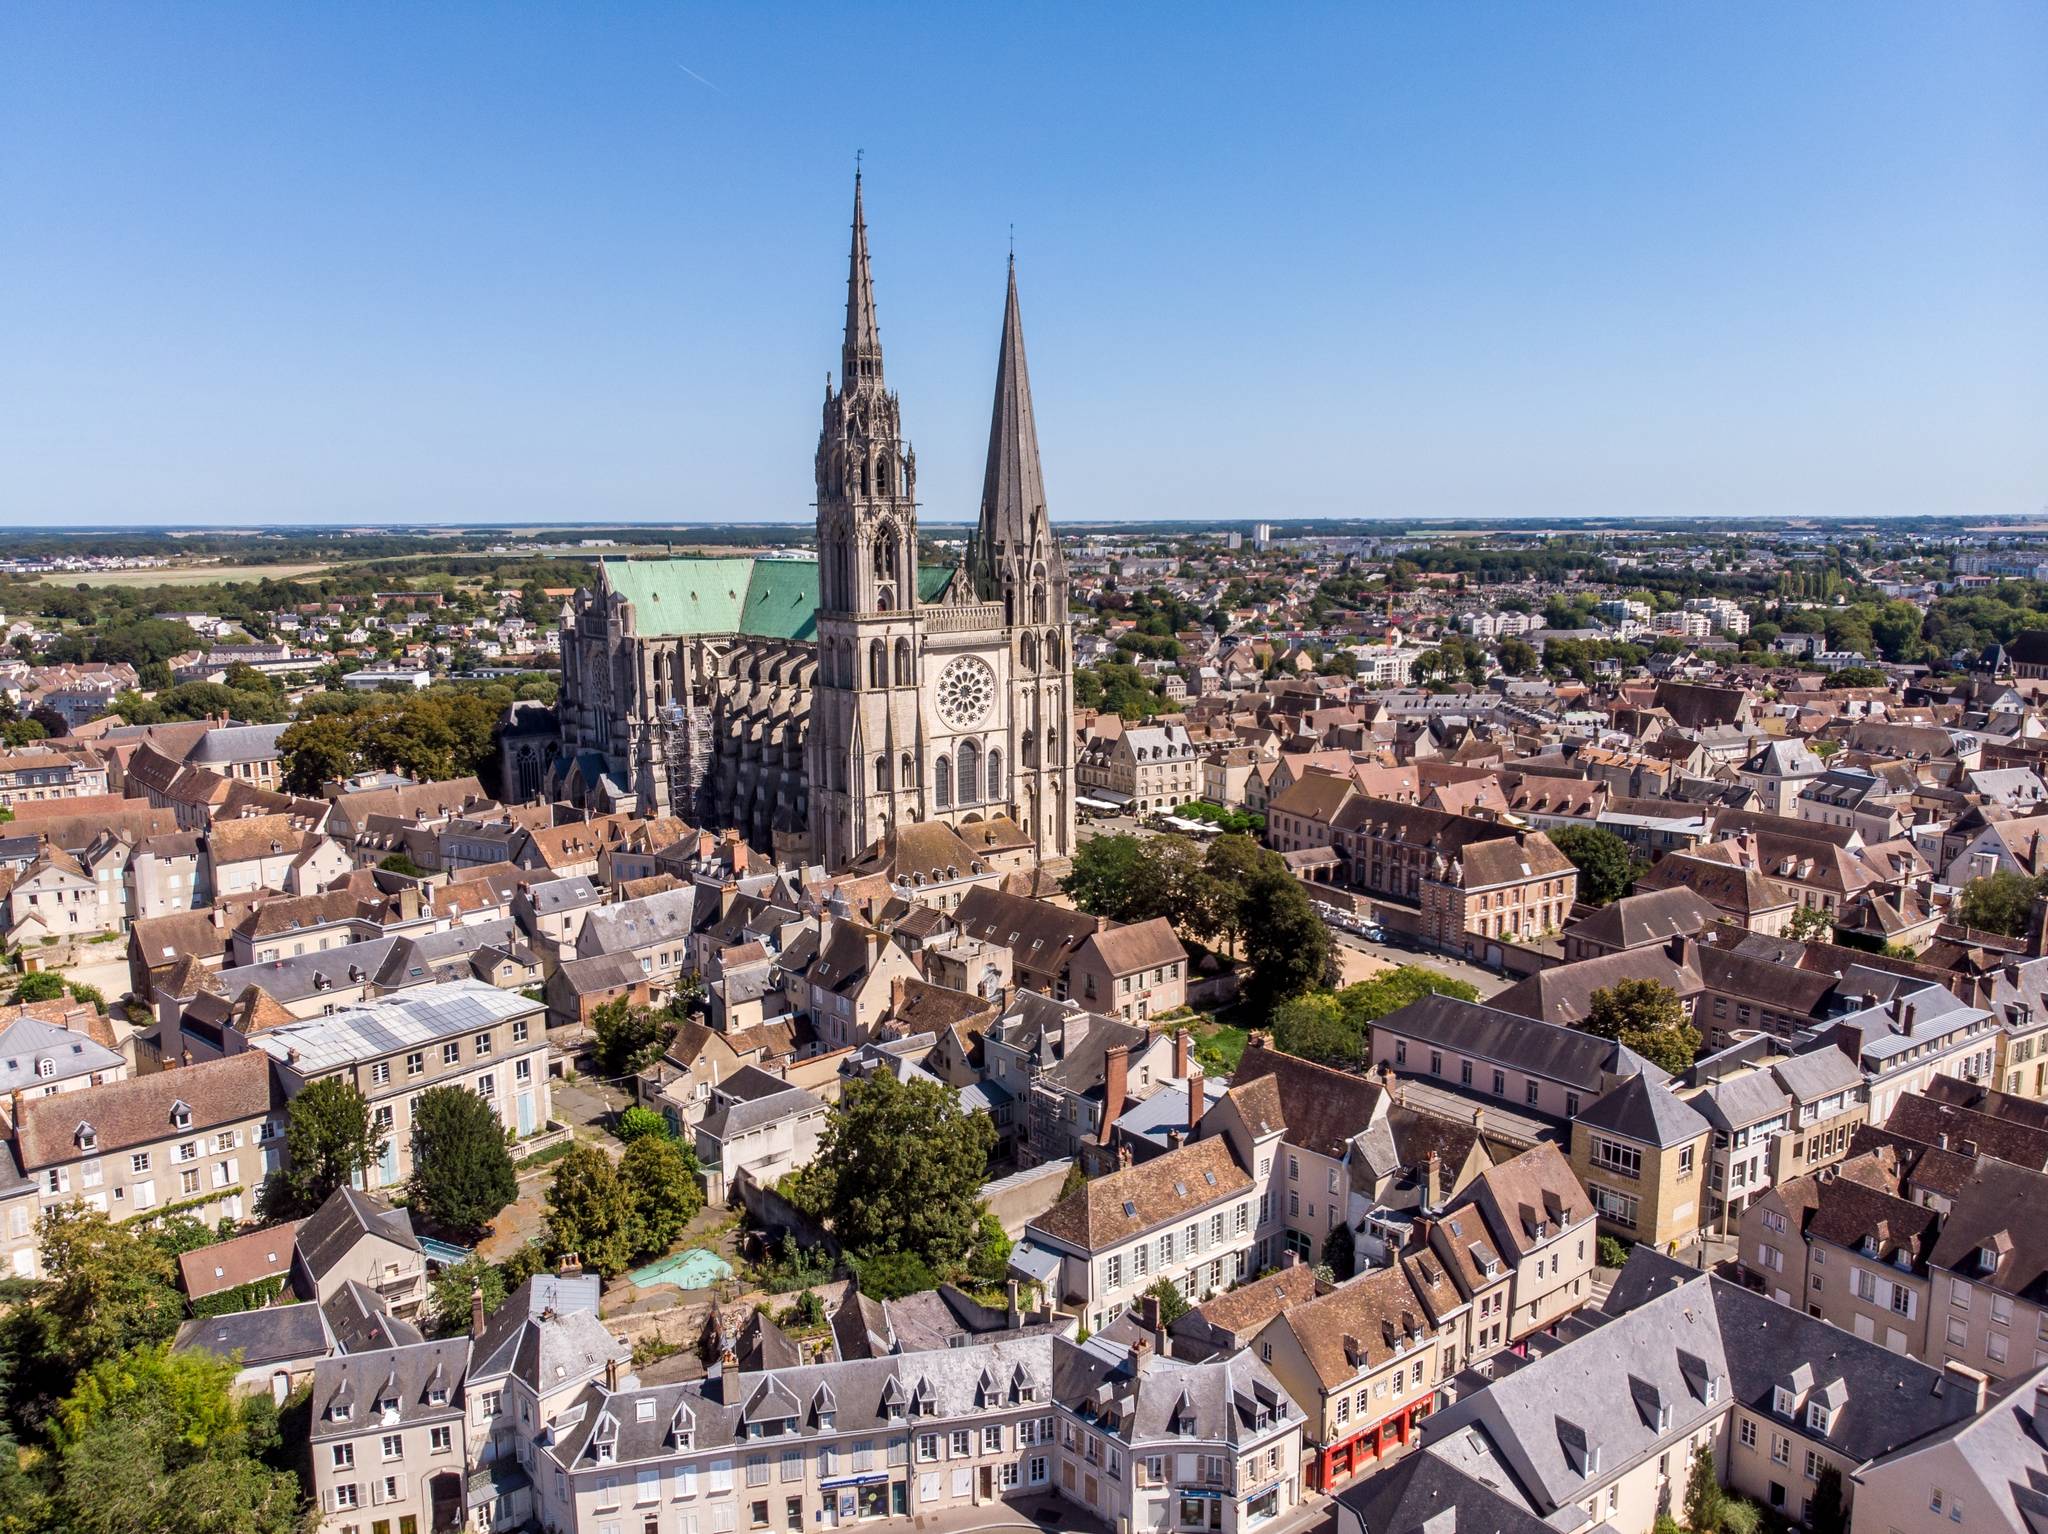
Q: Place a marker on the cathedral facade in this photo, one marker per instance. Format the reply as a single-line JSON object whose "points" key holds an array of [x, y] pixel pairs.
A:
{"points": [[822, 707]]}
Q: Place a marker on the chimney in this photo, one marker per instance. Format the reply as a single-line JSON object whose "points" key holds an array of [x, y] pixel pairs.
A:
{"points": [[1116, 1073], [611, 1370], [476, 1310], [184, 1057], [1123, 1158], [1181, 1052], [570, 1266], [1198, 1099], [2037, 928], [1175, 1139], [1013, 1313], [1974, 1383], [1478, 1120], [1290, 1258], [1432, 1180]]}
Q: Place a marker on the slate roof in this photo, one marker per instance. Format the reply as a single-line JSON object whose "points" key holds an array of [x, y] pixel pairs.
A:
{"points": [[408, 1375], [547, 1332], [1649, 1114], [1677, 1356], [1487, 1033], [1636, 921], [274, 1335], [333, 1229]]}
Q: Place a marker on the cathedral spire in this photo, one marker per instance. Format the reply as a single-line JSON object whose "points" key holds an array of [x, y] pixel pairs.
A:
{"points": [[861, 356], [1013, 486]]}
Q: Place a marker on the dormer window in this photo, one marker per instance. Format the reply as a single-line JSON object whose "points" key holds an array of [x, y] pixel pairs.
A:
{"points": [[46, 1067], [1817, 1417], [181, 1116], [1784, 1404], [87, 1137]]}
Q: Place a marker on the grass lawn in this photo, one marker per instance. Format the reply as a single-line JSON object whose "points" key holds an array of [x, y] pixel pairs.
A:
{"points": [[181, 575], [1219, 1046]]}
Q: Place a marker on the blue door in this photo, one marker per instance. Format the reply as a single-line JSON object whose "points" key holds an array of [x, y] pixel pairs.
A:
{"points": [[525, 1113]]}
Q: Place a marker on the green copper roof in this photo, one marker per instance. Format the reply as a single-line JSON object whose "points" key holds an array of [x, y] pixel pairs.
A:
{"points": [[775, 598]]}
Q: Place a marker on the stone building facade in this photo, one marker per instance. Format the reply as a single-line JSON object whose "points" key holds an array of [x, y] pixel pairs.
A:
{"points": [[818, 705]]}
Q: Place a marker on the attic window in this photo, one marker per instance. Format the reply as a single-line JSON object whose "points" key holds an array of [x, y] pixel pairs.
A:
{"points": [[1209, 1178], [1130, 1210], [181, 1116]]}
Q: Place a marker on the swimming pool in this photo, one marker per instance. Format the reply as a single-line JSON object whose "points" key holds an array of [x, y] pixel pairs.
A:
{"points": [[697, 1268]]}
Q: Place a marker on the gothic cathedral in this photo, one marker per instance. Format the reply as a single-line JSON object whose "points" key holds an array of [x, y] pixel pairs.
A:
{"points": [[939, 694]]}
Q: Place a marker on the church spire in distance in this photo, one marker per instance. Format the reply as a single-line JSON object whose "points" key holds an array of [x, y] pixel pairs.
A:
{"points": [[860, 358]]}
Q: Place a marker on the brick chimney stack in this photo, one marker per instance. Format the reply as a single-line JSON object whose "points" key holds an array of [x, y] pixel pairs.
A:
{"points": [[1198, 1100], [1181, 1052], [1116, 1077]]}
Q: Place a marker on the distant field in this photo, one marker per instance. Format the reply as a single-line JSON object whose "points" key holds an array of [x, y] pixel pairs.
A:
{"points": [[182, 575]]}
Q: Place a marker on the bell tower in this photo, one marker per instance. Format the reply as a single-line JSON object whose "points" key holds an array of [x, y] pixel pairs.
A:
{"points": [[864, 743]]}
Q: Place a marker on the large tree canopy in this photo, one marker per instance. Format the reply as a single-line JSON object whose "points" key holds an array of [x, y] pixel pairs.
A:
{"points": [[901, 1169]]}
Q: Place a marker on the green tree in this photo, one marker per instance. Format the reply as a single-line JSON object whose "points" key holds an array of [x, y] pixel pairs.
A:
{"points": [[399, 863], [1811, 924], [317, 749], [1285, 941], [1648, 1017], [110, 1287], [461, 1171], [1998, 902], [157, 1440], [626, 1038], [900, 1169], [591, 1212], [1704, 1499], [1314, 1027], [1517, 656], [1857, 676], [637, 1121], [1633, 1005], [330, 1139], [1340, 1250], [1606, 867], [1828, 1515], [43, 985], [1118, 877], [449, 1299], [660, 1175], [890, 1275], [1172, 1303]]}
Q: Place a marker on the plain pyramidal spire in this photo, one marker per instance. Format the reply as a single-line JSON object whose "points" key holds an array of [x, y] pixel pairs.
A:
{"points": [[861, 357], [1013, 487]]}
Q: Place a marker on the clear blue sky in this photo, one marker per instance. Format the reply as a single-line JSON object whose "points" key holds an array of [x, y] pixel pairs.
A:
{"points": [[400, 262]]}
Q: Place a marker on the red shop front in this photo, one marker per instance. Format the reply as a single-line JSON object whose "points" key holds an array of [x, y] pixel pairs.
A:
{"points": [[1365, 1448]]}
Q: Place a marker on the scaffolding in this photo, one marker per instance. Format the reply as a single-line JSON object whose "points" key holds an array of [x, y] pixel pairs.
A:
{"points": [[687, 751]]}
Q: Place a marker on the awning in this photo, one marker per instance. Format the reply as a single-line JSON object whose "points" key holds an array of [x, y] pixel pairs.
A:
{"points": [[1103, 799]]}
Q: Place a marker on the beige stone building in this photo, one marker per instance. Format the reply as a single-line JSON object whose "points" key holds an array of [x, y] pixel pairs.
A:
{"points": [[197, 1139]]}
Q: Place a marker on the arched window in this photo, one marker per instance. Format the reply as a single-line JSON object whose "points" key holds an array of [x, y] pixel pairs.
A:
{"points": [[942, 784], [903, 676], [1029, 648], [907, 776], [1052, 649], [881, 773], [968, 771], [996, 785], [878, 665]]}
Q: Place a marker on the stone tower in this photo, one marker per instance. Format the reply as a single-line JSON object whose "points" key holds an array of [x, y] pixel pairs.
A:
{"points": [[939, 695], [864, 715], [1015, 560]]}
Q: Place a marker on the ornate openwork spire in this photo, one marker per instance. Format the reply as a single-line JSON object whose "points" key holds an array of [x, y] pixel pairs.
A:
{"points": [[860, 359]]}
